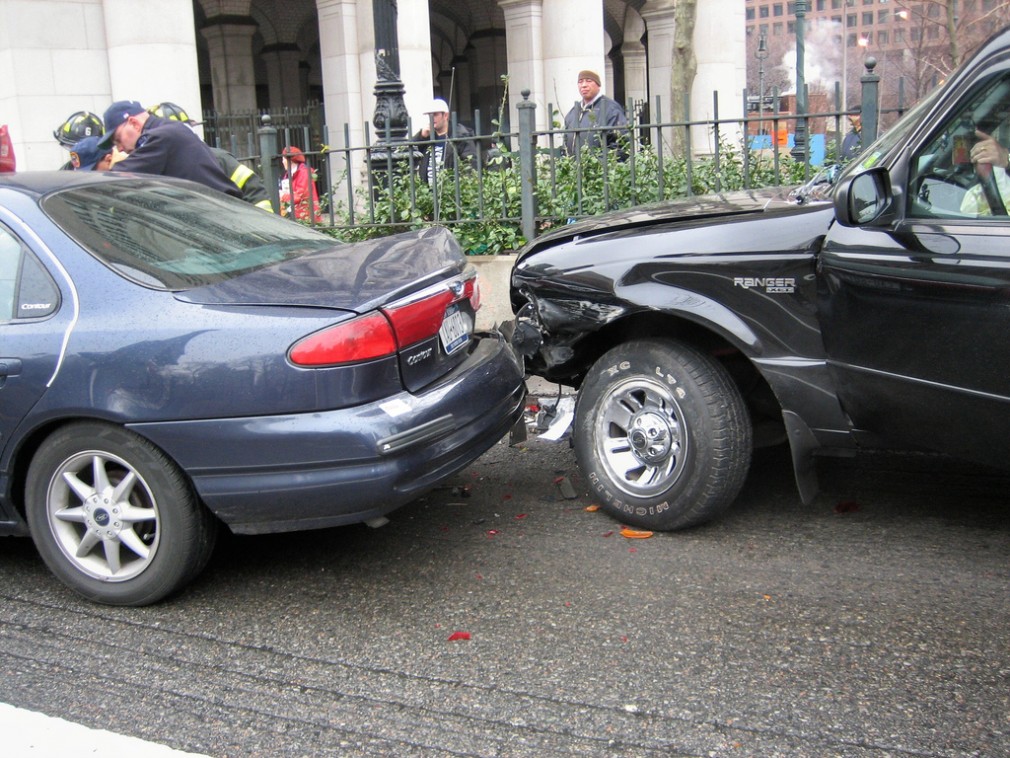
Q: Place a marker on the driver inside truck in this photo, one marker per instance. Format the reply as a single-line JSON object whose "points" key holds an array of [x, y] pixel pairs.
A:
{"points": [[987, 150]]}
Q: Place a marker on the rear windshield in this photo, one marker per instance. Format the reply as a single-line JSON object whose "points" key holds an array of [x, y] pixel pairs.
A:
{"points": [[173, 237]]}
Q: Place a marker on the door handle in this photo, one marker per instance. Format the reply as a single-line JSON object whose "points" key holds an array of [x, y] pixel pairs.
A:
{"points": [[10, 367]]}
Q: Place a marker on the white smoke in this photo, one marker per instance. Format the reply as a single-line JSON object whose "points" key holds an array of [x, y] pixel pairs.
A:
{"points": [[822, 56]]}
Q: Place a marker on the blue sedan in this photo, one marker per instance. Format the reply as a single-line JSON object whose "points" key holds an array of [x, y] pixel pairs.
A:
{"points": [[172, 360]]}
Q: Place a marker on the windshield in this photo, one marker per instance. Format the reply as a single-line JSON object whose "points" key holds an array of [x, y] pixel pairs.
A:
{"points": [[174, 237], [872, 155]]}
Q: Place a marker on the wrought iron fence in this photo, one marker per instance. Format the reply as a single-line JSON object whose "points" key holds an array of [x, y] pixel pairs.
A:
{"points": [[524, 181], [238, 132]]}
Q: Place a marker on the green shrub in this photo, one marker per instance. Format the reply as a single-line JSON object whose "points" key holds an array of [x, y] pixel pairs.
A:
{"points": [[484, 209]]}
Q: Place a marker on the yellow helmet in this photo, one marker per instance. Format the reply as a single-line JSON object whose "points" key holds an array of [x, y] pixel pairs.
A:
{"points": [[78, 126], [172, 112]]}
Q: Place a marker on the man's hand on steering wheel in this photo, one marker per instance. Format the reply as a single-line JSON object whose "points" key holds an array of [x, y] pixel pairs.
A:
{"points": [[985, 154]]}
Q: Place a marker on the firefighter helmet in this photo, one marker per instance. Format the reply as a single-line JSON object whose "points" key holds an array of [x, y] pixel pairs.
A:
{"points": [[78, 126], [172, 112]]}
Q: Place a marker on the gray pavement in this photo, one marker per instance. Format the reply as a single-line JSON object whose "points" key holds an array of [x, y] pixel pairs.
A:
{"points": [[872, 623]]}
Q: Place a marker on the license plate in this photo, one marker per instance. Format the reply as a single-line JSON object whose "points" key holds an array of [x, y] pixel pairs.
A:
{"points": [[455, 331]]}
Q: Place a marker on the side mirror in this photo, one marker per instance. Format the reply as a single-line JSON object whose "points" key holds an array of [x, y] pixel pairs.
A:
{"points": [[863, 198]]}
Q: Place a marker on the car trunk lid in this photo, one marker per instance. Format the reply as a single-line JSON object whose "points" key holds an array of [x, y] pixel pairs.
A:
{"points": [[356, 277], [419, 282]]}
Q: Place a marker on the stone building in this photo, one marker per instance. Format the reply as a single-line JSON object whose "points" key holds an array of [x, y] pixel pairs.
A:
{"points": [[61, 56]]}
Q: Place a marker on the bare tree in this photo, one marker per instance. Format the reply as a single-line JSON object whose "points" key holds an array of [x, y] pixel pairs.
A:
{"points": [[942, 33], [685, 65]]}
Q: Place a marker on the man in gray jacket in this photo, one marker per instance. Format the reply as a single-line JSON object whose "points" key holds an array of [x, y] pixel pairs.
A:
{"points": [[594, 112]]}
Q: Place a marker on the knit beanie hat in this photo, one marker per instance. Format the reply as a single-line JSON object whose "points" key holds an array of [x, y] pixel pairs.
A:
{"points": [[587, 74]]}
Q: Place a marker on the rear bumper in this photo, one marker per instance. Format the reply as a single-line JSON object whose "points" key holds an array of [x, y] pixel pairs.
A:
{"points": [[309, 471]]}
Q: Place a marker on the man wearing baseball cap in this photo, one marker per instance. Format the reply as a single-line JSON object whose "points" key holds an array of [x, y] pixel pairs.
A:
{"points": [[588, 117], [161, 146], [442, 152], [86, 155]]}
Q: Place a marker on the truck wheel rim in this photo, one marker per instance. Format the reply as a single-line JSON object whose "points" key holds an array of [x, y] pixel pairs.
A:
{"points": [[640, 437]]}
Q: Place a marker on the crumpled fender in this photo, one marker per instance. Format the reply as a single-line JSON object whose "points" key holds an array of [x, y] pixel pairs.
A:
{"points": [[695, 307]]}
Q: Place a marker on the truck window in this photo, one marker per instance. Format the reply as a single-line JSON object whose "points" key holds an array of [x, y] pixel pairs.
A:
{"points": [[944, 183]]}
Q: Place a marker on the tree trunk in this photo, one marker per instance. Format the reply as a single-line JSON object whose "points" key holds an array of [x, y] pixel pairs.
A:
{"points": [[684, 69]]}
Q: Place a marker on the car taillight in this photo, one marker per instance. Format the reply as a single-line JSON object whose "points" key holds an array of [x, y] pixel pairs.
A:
{"points": [[362, 339], [413, 322], [420, 319], [382, 333]]}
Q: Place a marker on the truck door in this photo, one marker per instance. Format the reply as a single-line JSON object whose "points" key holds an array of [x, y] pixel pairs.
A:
{"points": [[916, 312]]}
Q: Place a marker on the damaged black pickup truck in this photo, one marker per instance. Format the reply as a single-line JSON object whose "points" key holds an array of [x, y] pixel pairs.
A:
{"points": [[695, 330]]}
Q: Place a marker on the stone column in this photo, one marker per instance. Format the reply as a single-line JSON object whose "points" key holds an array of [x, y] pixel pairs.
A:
{"points": [[147, 66], [573, 41], [658, 16], [283, 75], [414, 39], [232, 74], [608, 66], [636, 81], [635, 71], [339, 49], [721, 50], [525, 53]]}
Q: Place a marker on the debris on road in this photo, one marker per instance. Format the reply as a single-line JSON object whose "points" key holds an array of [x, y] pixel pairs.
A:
{"points": [[635, 534], [565, 488], [550, 418], [555, 418]]}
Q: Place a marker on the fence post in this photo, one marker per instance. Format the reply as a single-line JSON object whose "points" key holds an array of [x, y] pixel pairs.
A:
{"points": [[268, 154], [870, 91], [527, 168]]}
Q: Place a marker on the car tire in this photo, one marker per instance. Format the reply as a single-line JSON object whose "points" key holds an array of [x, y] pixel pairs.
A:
{"points": [[662, 435], [113, 517]]}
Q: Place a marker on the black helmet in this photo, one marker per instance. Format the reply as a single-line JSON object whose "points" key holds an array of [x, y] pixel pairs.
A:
{"points": [[173, 112], [78, 126]]}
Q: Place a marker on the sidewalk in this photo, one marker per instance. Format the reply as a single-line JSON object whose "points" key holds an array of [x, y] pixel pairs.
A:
{"points": [[35, 735]]}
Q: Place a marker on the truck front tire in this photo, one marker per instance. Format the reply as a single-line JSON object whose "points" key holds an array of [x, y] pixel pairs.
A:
{"points": [[662, 434]]}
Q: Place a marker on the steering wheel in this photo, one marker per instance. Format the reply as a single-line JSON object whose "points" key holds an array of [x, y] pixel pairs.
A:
{"points": [[990, 190]]}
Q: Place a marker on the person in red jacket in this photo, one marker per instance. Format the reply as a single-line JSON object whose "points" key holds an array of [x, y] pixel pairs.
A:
{"points": [[298, 187]]}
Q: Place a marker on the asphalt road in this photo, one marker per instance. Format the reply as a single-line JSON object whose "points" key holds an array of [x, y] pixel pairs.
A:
{"points": [[872, 623]]}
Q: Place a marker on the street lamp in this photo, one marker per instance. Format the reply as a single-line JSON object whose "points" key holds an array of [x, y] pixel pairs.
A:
{"points": [[861, 42], [761, 53], [390, 108], [800, 142]]}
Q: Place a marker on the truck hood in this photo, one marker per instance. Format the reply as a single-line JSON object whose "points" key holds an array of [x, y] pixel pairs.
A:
{"points": [[355, 277], [687, 210]]}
